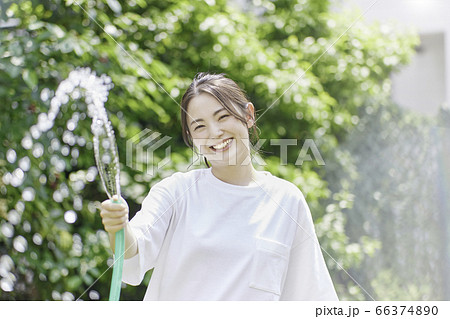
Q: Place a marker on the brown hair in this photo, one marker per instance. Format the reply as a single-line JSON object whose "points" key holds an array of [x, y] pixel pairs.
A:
{"points": [[225, 91]]}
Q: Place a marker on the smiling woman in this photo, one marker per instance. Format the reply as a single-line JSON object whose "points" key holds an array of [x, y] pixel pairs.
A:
{"points": [[222, 92], [226, 232], [216, 117]]}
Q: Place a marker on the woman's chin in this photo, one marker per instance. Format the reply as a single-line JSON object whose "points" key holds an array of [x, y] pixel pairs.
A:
{"points": [[229, 161]]}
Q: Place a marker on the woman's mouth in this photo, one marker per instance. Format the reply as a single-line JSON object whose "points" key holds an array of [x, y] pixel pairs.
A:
{"points": [[223, 146]]}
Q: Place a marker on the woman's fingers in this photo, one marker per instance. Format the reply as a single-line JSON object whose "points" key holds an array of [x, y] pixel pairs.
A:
{"points": [[109, 205], [114, 220], [114, 224], [114, 215]]}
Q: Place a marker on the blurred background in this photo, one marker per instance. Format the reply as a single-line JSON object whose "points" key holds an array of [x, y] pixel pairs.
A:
{"points": [[369, 83]]}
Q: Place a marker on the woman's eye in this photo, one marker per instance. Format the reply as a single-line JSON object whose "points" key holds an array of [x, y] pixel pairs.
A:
{"points": [[198, 127], [223, 116]]}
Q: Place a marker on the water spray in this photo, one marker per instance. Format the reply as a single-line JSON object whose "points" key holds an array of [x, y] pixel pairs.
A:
{"points": [[84, 83]]}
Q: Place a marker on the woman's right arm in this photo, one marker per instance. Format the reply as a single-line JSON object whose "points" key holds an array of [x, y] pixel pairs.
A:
{"points": [[114, 218], [147, 231]]}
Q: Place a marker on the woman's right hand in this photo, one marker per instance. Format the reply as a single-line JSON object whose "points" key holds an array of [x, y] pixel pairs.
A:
{"points": [[114, 215]]}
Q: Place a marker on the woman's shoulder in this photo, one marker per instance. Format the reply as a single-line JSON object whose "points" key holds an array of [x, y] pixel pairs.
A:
{"points": [[278, 184]]}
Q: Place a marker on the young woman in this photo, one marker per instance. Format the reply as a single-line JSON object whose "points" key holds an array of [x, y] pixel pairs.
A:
{"points": [[226, 232]]}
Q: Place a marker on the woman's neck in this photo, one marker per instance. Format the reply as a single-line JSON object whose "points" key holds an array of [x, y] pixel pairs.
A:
{"points": [[241, 175]]}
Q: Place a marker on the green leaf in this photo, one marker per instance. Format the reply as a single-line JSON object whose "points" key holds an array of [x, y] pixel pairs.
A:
{"points": [[73, 283], [55, 274], [30, 78]]}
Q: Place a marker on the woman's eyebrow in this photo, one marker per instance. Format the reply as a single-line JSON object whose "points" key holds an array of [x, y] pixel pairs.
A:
{"points": [[214, 114]]}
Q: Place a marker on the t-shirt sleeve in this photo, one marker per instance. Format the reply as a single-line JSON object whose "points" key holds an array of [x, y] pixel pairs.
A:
{"points": [[307, 277], [150, 226]]}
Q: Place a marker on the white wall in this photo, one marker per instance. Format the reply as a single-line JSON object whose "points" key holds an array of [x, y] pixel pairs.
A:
{"points": [[421, 85], [424, 85]]}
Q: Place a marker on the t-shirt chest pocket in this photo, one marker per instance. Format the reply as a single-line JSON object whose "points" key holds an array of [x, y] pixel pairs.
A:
{"points": [[269, 265]]}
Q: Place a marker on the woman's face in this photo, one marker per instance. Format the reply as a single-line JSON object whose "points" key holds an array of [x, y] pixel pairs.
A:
{"points": [[218, 135]]}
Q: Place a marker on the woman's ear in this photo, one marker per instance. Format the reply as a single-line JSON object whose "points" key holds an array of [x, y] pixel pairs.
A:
{"points": [[250, 116]]}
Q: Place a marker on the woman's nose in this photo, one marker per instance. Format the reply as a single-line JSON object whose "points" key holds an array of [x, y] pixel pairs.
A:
{"points": [[215, 131]]}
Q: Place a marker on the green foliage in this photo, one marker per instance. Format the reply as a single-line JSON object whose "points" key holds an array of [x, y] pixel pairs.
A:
{"points": [[284, 57]]}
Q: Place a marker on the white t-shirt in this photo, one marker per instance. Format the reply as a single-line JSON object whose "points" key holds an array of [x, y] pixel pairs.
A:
{"points": [[211, 240]]}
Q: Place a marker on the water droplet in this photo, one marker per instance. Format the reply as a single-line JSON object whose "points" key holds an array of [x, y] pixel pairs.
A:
{"points": [[91, 174], [11, 155], [57, 197], [60, 165], [25, 163], [38, 150], [26, 226], [17, 177], [54, 144], [61, 95], [18, 173], [106, 159], [78, 186], [7, 230], [7, 178], [71, 125], [7, 284], [65, 150], [70, 217], [81, 141], [6, 264], [37, 239], [65, 87], [56, 295], [45, 94], [67, 296], [42, 179], [92, 207], [28, 194], [27, 142], [106, 144], [35, 132], [64, 190], [97, 130], [77, 203], [55, 103], [377, 195], [68, 137], [45, 122], [20, 206], [110, 262], [20, 244], [76, 94], [42, 166], [75, 153], [13, 217], [94, 295]]}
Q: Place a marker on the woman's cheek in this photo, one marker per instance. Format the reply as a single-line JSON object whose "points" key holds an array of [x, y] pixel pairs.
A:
{"points": [[199, 144]]}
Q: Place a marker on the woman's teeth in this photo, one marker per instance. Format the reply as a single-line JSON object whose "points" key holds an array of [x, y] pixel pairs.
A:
{"points": [[222, 145]]}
